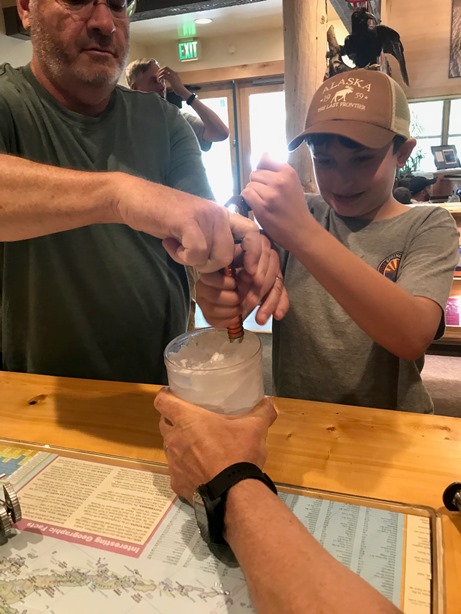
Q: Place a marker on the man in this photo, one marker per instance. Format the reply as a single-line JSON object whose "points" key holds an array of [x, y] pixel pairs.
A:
{"points": [[420, 188], [286, 569], [87, 288], [146, 75]]}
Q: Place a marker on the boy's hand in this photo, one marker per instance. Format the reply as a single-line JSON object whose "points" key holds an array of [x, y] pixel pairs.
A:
{"points": [[276, 196], [223, 299], [199, 443]]}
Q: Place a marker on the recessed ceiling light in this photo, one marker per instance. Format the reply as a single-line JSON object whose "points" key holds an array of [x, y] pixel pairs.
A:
{"points": [[203, 20]]}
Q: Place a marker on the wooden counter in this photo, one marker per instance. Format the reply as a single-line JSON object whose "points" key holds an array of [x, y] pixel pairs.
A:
{"points": [[378, 453]]}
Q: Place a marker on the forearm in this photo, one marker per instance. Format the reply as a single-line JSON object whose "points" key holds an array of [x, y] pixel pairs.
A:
{"points": [[400, 322], [215, 129], [37, 199], [286, 568]]}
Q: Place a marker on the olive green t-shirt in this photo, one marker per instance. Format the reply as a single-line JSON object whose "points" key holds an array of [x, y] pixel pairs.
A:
{"points": [[100, 301]]}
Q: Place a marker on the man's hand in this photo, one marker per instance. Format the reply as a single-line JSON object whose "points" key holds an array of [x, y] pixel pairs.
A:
{"points": [[199, 443], [223, 299], [171, 76], [195, 232], [276, 196]]}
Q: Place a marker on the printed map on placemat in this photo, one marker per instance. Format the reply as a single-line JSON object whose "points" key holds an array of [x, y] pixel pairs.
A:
{"points": [[97, 537]]}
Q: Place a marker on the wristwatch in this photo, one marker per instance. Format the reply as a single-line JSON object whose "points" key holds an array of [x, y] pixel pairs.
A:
{"points": [[209, 499], [191, 99]]}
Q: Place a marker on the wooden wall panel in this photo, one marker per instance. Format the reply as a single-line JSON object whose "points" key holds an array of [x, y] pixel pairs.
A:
{"points": [[424, 27]]}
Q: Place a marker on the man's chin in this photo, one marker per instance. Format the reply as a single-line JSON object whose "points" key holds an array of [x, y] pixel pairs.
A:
{"points": [[99, 75]]}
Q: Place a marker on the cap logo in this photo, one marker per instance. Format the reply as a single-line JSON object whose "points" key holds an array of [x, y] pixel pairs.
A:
{"points": [[341, 95], [352, 93], [359, 83]]}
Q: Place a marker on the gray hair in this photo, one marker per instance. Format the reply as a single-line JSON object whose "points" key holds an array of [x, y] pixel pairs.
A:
{"points": [[137, 68]]}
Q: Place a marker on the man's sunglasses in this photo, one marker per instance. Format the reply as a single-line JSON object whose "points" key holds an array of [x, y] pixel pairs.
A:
{"points": [[116, 6]]}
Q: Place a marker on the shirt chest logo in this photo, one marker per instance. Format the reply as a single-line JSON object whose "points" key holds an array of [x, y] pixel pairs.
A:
{"points": [[390, 266]]}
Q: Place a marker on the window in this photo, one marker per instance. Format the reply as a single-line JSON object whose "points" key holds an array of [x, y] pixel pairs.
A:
{"points": [[434, 122], [454, 127], [426, 127]]}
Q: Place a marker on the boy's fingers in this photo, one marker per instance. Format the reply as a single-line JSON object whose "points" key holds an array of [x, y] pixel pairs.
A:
{"points": [[276, 303]]}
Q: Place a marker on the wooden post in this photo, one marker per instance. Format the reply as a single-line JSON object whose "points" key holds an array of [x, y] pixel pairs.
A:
{"points": [[305, 26]]}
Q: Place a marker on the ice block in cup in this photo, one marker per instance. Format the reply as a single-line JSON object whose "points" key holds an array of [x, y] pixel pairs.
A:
{"points": [[206, 369]]}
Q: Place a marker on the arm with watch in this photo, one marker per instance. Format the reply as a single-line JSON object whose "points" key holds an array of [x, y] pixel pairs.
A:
{"points": [[214, 129], [215, 462]]}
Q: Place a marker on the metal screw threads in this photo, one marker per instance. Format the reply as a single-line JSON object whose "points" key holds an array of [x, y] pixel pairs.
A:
{"points": [[235, 333]]}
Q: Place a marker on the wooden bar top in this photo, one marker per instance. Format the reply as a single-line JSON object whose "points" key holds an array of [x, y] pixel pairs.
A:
{"points": [[370, 452]]}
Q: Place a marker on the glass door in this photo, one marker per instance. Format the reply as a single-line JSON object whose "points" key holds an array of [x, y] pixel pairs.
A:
{"points": [[220, 160], [257, 124], [262, 118]]}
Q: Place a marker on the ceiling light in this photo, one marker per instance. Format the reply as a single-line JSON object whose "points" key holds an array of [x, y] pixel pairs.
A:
{"points": [[203, 20]]}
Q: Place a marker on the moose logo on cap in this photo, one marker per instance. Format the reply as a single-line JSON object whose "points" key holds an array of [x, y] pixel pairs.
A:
{"points": [[341, 95], [350, 92]]}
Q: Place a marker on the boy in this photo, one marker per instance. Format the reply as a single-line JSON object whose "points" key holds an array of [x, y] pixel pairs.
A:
{"points": [[367, 276]]}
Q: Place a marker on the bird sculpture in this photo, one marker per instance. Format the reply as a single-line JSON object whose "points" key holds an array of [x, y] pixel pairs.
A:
{"points": [[366, 42], [335, 64]]}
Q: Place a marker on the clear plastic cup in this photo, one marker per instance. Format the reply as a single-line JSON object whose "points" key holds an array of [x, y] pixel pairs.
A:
{"points": [[206, 369]]}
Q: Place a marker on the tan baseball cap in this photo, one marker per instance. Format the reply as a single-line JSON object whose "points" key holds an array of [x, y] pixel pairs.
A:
{"points": [[364, 105]]}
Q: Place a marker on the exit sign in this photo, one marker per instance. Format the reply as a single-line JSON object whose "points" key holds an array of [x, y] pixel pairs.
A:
{"points": [[188, 50]]}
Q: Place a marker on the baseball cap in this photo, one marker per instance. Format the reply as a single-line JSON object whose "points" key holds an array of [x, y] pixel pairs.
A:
{"points": [[364, 105], [416, 184]]}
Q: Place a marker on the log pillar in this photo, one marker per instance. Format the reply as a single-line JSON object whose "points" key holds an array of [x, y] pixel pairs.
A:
{"points": [[305, 43]]}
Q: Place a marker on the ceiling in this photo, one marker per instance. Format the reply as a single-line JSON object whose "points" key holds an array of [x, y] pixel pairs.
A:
{"points": [[239, 19]]}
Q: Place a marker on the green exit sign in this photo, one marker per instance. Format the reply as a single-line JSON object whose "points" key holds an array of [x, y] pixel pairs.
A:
{"points": [[188, 50]]}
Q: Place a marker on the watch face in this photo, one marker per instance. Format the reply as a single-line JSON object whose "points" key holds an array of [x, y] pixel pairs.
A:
{"points": [[201, 516]]}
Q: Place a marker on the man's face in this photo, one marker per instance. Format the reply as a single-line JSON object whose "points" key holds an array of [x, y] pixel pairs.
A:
{"points": [[88, 47], [148, 81], [354, 182], [423, 196]]}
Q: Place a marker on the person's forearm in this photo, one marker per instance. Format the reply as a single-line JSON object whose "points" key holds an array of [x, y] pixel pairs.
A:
{"points": [[37, 199], [400, 322], [285, 567], [215, 129]]}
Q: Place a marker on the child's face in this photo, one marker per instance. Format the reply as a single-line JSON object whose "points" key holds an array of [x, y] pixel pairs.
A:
{"points": [[354, 182]]}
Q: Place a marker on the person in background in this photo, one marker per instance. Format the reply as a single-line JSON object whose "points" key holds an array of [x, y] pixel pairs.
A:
{"points": [[286, 569], [146, 75], [368, 278], [420, 188], [100, 207], [403, 195]]}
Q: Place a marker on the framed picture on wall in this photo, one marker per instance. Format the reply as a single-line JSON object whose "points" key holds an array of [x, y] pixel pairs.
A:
{"points": [[455, 40]]}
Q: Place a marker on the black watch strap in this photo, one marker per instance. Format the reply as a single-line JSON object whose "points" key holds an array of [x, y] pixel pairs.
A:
{"points": [[230, 476], [216, 492], [191, 99]]}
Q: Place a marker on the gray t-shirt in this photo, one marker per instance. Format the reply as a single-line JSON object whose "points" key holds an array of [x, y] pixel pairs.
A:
{"points": [[321, 354], [104, 300], [199, 128]]}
